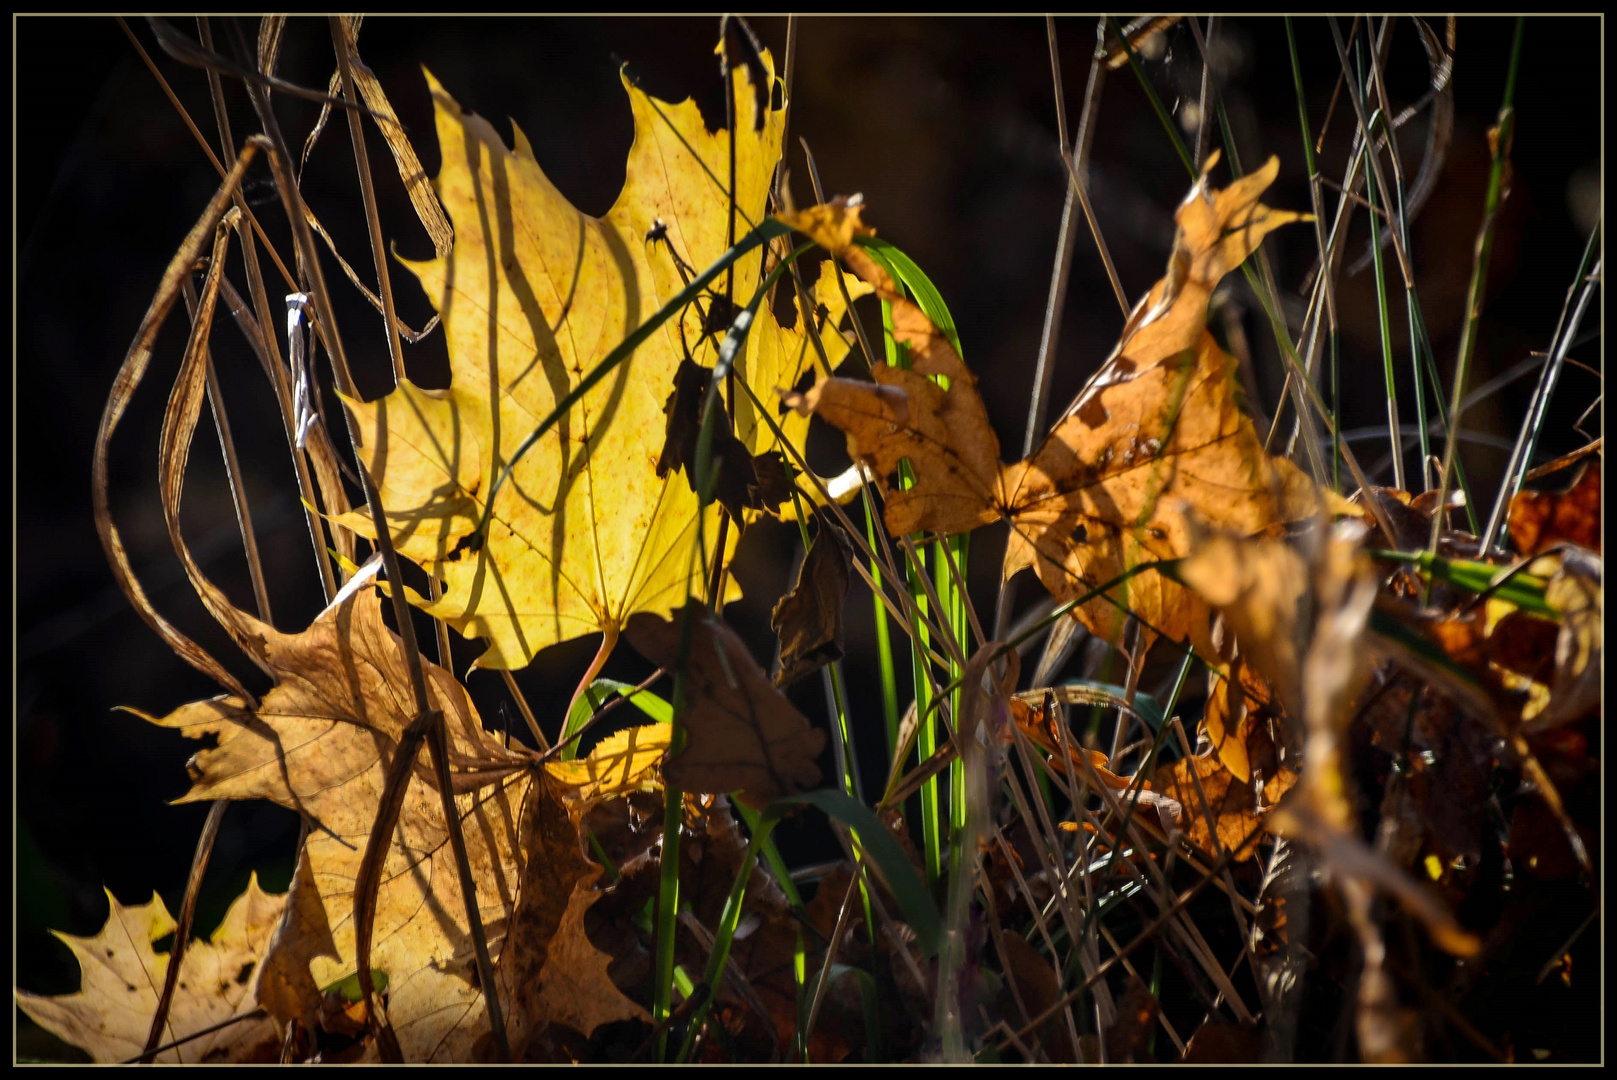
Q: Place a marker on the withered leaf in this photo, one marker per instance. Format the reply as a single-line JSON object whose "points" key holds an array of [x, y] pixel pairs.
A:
{"points": [[320, 743], [1261, 588], [111, 1013], [548, 972], [286, 989], [1233, 804], [574, 987], [808, 620], [1039, 988], [741, 732], [1226, 709], [764, 953], [1159, 424], [1136, 1018], [1539, 519], [1219, 1042], [1039, 725], [738, 487], [1577, 594]]}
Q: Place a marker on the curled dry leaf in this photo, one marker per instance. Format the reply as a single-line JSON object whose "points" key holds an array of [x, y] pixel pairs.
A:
{"points": [[744, 482], [1158, 424], [1039, 725], [1261, 588], [1039, 989], [286, 988], [121, 977], [533, 296], [808, 620], [1136, 1018], [741, 733]]}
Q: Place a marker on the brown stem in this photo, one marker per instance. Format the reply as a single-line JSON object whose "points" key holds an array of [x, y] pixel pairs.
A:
{"points": [[261, 306], [182, 931], [527, 713], [238, 489], [367, 190]]}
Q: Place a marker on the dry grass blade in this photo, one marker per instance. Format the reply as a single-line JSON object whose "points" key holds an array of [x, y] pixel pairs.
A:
{"points": [[1440, 60], [422, 197], [188, 52], [129, 377], [182, 928]]}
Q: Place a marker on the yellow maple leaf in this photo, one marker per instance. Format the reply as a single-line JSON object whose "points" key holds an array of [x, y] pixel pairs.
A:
{"points": [[619, 764], [535, 293], [1158, 428], [122, 975]]}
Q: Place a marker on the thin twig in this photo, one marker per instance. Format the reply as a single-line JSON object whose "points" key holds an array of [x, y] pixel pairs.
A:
{"points": [[182, 929], [367, 190]]}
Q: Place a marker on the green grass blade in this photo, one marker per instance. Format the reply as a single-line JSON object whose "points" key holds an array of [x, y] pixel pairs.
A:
{"points": [[595, 695], [885, 856], [1383, 323], [927, 297], [884, 643], [1526, 591], [1500, 138]]}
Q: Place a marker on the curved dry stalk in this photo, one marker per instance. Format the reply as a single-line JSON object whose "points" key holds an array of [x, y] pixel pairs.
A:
{"points": [[123, 388], [197, 353], [267, 350]]}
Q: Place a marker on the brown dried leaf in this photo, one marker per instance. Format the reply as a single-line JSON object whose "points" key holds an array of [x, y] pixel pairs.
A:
{"points": [[556, 889], [741, 732], [1234, 806], [320, 743], [739, 486], [574, 987], [808, 620], [1039, 725], [1261, 588], [1540, 519], [1158, 424], [1226, 710], [111, 1013], [286, 990], [1039, 988], [1576, 593], [1136, 1018], [1218, 1042]]}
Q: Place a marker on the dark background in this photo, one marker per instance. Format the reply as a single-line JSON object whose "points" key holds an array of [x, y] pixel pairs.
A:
{"points": [[948, 128]]}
